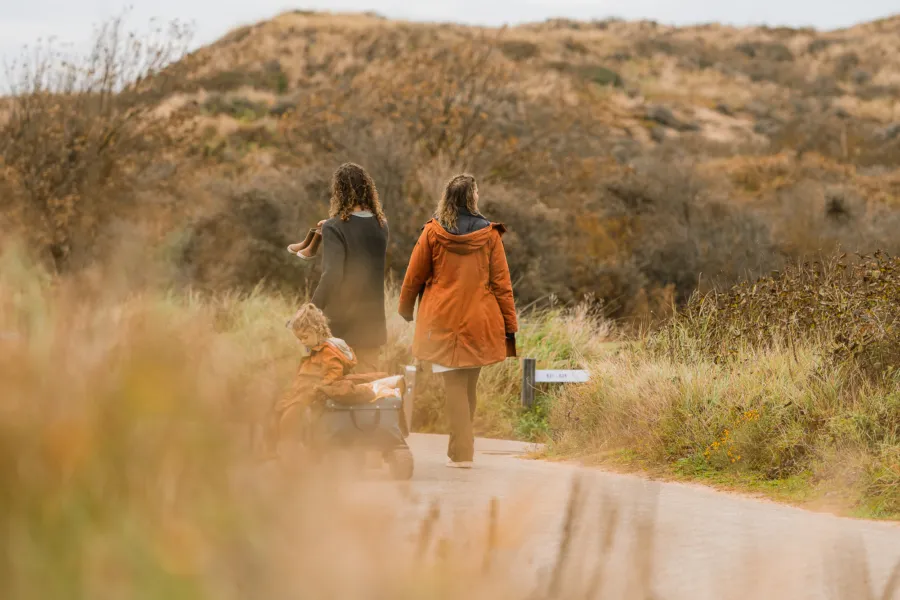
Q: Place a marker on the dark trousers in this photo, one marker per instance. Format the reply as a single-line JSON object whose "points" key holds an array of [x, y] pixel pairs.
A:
{"points": [[368, 360], [460, 389]]}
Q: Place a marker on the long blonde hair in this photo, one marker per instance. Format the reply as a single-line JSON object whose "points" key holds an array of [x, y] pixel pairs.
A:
{"points": [[459, 193], [352, 186], [310, 318]]}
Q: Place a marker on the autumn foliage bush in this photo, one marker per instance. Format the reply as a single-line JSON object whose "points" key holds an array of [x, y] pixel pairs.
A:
{"points": [[848, 306], [222, 158], [78, 135], [784, 382]]}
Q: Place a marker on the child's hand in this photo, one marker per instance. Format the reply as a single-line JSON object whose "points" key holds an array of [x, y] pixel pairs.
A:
{"points": [[320, 223]]}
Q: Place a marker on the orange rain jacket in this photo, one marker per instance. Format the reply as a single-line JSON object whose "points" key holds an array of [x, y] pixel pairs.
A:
{"points": [[466, 304], [326, 364]]}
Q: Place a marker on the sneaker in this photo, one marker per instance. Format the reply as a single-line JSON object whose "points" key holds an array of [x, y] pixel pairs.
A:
{"points": [[466, 464]]}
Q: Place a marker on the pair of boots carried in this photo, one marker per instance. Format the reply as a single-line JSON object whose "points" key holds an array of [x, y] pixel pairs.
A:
{"points": [[308, 248]]}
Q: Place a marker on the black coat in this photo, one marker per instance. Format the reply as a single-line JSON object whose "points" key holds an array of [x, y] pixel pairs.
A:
{"points": [[351, 290]]}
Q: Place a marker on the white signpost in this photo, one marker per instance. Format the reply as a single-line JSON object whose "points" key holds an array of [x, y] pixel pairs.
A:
{"points": [[531, 377], [557, 376]]}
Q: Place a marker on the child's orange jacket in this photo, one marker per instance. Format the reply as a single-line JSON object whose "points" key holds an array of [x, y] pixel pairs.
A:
{"points": [[326, 363]]}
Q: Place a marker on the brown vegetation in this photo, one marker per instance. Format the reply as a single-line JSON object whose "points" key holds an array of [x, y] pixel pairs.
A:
{"points": [[789, 381], [78, 140], [631, 161], [127, 473]]}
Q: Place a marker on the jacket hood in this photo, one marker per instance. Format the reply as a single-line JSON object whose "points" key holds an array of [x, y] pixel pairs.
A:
{"points": [[342, 347], [464, 244]]}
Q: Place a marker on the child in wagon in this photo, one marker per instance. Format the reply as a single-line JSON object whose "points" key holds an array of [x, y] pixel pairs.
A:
{"points": [[325, 372], [328, 359]]}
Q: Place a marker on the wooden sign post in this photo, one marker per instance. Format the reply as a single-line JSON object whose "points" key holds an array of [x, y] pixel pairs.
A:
{"points": [[529, 378], [532, 376]]}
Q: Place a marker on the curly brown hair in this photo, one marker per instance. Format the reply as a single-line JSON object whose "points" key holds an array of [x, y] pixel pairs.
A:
{"points": [[310, 318], [459, 193], [352, 186]]}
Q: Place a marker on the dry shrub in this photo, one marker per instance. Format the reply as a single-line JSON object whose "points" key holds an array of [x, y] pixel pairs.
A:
{"points": [[237, 107], [78, 136], [519, 50], [597, 74], [270, 77], [760, 174], [847, 306], [241, 242], [769, 50], [447, 99], [682, 234], [791, 376]]}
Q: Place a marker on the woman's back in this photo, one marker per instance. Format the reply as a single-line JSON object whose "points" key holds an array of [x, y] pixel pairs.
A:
{"points": [[351, 292], [467, 314], [467, 305]]}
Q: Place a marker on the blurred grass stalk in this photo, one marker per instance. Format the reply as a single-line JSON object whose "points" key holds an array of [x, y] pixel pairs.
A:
{"points": [[126, 468]]}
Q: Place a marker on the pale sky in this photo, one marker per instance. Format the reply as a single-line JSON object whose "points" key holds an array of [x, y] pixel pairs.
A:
{"points": [[25, 21]]}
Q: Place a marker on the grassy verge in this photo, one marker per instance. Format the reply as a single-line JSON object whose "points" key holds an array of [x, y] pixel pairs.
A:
{"points": [[769, 410], [792, 391], [767, 425]]}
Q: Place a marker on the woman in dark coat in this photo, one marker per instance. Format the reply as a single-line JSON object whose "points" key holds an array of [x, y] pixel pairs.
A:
{"points": [[351, 290]]}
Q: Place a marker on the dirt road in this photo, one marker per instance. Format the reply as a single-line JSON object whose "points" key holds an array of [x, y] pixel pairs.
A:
{"points": [[697, 543]]}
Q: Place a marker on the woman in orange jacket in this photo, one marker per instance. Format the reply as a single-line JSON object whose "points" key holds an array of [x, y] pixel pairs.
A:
{"points": [[467, 314]]}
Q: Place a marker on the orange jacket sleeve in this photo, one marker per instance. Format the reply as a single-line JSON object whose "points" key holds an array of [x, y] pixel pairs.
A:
{"points": [[294, 394], [501, 286], [333, 365], [299, 392], [417, 274]]}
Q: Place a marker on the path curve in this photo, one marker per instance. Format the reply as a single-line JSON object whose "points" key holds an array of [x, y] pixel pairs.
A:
{"points": [[703, 543]]}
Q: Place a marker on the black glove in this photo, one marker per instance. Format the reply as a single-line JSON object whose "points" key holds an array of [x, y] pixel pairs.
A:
{"points": [[511, 351]]}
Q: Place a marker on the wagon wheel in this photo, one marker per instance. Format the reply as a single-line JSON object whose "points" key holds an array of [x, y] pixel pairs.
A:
{"points": [[400, 462]]}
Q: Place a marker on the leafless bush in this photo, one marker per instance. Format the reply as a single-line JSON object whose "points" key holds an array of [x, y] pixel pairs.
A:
{"points": [[684, 235], [78, 134], [240, 244]]}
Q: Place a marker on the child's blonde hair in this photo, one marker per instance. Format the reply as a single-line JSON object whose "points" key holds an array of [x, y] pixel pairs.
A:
{"points": [[310, 318]]}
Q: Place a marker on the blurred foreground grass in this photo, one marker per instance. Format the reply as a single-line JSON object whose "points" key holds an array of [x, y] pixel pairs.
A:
{"points": [[127, 467]]}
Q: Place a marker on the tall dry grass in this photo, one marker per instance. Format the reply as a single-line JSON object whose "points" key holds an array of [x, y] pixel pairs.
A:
{"points": [[793, 377], [127, 468], [127, 463]]}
